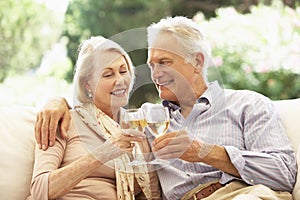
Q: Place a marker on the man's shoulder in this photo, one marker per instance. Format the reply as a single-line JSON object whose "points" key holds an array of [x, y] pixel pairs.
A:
{"points": [[247, 98], [245, 94]]}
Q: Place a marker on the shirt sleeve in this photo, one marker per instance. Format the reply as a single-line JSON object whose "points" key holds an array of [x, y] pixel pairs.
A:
{"points": [[268, 157], [45, 162]]}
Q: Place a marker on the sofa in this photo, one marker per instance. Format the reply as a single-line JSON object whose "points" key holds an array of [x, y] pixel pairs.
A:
{"points": [[17, 146]]}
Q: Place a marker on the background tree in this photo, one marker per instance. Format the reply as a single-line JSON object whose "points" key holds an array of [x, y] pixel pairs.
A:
{"points": [[85, 18], [208, 7], [259, 50], [26, 31]]}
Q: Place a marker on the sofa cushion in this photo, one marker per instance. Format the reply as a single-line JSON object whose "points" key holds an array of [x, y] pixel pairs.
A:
{"points": [[289, 111], [17, 151], [296, 191]]}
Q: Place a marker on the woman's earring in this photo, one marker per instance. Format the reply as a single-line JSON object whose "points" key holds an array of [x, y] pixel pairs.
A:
{"points": [[90, 94]]}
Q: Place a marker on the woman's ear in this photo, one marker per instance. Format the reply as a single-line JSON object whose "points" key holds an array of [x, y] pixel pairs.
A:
{"points": [[87, 86]]}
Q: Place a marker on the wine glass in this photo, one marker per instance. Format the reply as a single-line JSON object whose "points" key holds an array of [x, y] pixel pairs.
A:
{"points": [[133, 119], [158, 120]]}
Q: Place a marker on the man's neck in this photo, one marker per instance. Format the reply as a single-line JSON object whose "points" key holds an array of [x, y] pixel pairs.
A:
{"points": [[188, 101], [186, 104]]}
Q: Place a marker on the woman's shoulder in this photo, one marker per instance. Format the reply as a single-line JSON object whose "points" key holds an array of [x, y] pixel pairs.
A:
{"points": [[72, 130], [76, 124]]}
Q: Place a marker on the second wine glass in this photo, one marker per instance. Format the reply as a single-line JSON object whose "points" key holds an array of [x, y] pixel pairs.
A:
{"points": [[158, 120]]}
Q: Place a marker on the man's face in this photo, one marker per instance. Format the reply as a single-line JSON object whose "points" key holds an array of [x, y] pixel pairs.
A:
{"points": [[173, 76]]}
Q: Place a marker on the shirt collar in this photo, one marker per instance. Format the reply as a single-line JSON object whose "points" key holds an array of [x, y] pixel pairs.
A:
{"points": [[210, 96]]}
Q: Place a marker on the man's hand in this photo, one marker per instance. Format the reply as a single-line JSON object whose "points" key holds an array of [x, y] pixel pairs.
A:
{"points": [[55, 111], [179, 145]]}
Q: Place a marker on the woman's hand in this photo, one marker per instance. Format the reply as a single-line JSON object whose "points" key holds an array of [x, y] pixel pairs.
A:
{"points": [[119, 143], [47, 122], [125, 139]]}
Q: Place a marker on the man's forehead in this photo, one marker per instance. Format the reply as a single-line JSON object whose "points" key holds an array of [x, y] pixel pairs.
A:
{"points": [[166, 42], [157, 55]]}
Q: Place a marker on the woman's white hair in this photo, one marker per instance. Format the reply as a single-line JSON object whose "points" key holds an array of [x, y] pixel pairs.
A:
{"points": [[187, 33], [86, 64]]}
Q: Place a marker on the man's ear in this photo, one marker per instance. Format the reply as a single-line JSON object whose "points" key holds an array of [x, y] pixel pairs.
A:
{"points": [[199, 59]]}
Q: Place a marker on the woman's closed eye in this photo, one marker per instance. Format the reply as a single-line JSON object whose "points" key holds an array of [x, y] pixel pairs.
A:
{"points": [[108, 74], [123, 71]]}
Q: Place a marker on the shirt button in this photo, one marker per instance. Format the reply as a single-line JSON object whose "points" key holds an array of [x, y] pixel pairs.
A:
{"points": [[252, 181]]}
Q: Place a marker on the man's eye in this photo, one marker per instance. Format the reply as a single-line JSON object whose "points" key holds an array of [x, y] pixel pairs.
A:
{"points": [[164, 62]]}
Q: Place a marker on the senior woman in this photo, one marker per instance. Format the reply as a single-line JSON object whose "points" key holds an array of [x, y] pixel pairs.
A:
{"points": [[92, 162]]}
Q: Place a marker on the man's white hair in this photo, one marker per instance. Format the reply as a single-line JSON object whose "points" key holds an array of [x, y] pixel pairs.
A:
{"points": [[187, 33]]}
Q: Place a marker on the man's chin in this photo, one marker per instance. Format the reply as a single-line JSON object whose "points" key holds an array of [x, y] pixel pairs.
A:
{"points": [[167, 96]]}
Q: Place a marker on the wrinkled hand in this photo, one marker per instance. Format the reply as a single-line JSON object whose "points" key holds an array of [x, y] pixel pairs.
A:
{"points": [[177, 145], [119, 143], [55, 111], [124, 141]]}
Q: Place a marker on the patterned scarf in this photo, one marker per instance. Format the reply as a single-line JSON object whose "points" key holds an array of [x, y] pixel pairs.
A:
{"points": [[105, 126]]}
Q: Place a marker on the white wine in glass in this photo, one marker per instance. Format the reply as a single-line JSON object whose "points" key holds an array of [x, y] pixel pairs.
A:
{"points": [[158, 128], [158, 121], [136, 124], [133, 119]]}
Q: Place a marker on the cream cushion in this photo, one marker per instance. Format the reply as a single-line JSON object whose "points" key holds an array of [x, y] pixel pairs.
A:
{"points": [[16, 151], [296, 191], [290, 111], [17, 146]]}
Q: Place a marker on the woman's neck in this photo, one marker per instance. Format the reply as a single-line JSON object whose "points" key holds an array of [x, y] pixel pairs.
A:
{"points": [[111, 112]]}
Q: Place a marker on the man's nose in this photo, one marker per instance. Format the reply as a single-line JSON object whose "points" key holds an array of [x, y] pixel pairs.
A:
{"points": [[156, 72]]}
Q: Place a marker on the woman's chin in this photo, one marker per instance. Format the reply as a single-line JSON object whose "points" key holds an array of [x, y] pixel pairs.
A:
{"points": [[119, 102]]}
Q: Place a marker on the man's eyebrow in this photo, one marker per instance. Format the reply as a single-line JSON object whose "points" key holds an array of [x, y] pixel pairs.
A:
{"points": [[165, 58], [159, 59]]}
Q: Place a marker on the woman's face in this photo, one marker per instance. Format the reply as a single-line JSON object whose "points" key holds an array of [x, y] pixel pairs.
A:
{"points": [[110, 82]]}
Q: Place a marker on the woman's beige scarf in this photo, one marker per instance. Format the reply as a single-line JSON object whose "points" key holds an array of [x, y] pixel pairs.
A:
{"points": [[105, 126]]}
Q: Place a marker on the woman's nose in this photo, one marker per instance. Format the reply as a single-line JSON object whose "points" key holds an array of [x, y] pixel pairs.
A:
{"points": [[119, 79]]}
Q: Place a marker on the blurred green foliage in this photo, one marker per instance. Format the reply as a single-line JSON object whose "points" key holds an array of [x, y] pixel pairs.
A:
{"points": [[258, 51], [249, 45], [27, 30], [85, 18]]}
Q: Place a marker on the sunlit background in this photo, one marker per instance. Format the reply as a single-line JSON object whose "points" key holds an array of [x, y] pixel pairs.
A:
{"points": [[256, 44]]}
